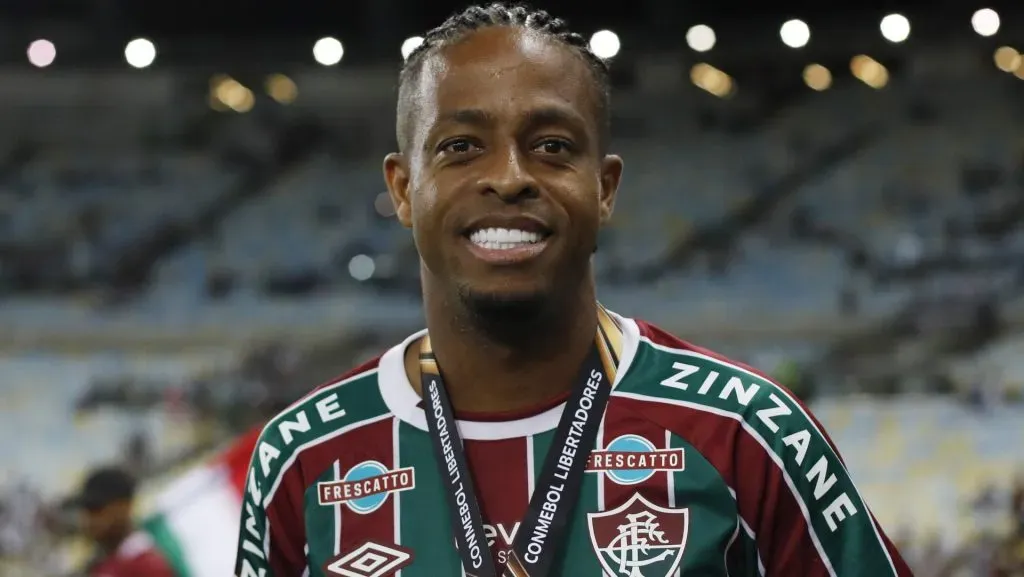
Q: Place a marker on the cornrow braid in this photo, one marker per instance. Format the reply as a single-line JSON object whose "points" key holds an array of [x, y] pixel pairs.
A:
{"points": [[475, 18]]}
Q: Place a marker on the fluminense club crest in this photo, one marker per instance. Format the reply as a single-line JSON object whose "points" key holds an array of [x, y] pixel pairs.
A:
{"points": [[639, 538]]}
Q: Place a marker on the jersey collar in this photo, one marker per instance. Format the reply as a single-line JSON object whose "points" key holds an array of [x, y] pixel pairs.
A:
{"points": [[402, 400]]}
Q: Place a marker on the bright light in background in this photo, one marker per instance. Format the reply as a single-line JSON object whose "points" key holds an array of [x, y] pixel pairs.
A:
{"points": [[605, 44], [817, 77], [1007, 59], [895, 28], [383, 205], [985, 22], [795, 33], [869, 71], [42, 53], [712, 80], [228, 93], [410, 44], [328, 51], [701, 38], [281, 88], [140, 53], [361, 267]]}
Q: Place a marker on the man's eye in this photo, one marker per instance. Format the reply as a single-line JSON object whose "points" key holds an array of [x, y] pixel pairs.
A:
{"points": [[553, 146], [458, 146]]}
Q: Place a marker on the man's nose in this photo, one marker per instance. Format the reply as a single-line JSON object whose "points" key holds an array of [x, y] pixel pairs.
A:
{"points": [[509, 176]]}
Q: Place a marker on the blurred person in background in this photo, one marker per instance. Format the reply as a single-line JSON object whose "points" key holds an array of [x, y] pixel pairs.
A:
{"points": [[106, 502], [20, 511], [505, 181]]}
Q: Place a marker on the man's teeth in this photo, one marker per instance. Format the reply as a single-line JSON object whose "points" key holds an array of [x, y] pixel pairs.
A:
{"points": [[503, 238]]}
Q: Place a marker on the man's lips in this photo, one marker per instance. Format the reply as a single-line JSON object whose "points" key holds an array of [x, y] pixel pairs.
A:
{"points": [[507, 254]]}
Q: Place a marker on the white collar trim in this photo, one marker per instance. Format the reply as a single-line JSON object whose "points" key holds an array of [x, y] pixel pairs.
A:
{"points": [[402, 400]]}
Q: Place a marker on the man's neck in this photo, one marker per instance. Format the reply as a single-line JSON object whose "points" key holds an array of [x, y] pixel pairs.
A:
{"points": [[483, 374], [113, 544]]}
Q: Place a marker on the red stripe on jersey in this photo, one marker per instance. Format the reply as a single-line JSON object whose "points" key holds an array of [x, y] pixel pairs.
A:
{"points": [[287, 528], [371, 442], [620, 420], [501, 478]]}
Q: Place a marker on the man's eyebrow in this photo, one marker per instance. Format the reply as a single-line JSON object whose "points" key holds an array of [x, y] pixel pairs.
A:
{"points": [[555, 115], [543, 115], [473, 116]]}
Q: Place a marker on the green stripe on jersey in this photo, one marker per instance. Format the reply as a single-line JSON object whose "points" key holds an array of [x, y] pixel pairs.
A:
{"points": [[712, 509], [426, 526], [322, 522]]}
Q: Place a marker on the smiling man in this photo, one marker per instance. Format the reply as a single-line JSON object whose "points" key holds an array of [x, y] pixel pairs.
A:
{"points": [[528, 430]]}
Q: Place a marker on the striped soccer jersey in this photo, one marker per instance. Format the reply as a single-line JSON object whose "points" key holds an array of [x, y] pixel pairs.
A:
{"points": [[702, 466]]}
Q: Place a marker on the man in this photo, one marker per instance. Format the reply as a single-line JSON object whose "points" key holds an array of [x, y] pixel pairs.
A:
{"points": [[106, 503], [586, 443]]}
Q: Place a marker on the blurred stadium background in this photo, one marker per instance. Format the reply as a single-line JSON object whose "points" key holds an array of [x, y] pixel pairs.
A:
{"points": [[193, 232]]}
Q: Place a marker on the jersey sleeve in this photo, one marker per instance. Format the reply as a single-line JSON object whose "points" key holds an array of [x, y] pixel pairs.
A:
{"points": [[798, 511], [797, 501], [272, 538]]}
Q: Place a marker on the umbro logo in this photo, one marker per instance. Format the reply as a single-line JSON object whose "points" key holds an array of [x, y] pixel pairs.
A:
{"points": [[370, 560]]}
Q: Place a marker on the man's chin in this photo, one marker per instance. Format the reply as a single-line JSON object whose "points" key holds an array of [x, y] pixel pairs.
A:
{"points": [[505, 304], [506, 312]]}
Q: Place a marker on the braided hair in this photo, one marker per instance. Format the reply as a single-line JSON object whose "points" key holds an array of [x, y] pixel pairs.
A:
{"points": [[458, 26]]}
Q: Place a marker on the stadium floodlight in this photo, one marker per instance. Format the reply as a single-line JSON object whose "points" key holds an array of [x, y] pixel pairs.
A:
{"points": [[281, 88], [140, 53], [869, 71], [1007, 59], [228, 93], [817, 77], [985, 22], [41, 53], [711, 80], [328, 51], [795, 33], [895, 28], [605, 44], [701, 38], [410, 44]]}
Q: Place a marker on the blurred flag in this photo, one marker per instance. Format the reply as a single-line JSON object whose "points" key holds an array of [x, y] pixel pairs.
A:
{"points": [[196, 518]]}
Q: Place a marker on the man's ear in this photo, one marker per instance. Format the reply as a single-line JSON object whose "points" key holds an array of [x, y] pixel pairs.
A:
{"points": [[611, 176], [396, 176]]}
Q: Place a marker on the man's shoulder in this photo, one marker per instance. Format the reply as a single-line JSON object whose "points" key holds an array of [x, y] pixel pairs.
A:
{"points": [[359, 377], [658, 347], [346, 400], [673, 372], [730, 406]]}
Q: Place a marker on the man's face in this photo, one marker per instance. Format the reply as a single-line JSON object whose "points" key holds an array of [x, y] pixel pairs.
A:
{"points": [[104, 523], [503, 182]]}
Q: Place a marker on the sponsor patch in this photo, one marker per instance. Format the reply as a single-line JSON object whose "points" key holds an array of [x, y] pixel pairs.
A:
{"points": [[639, 538], [366, 486], [370, 560], [632, 459]]}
